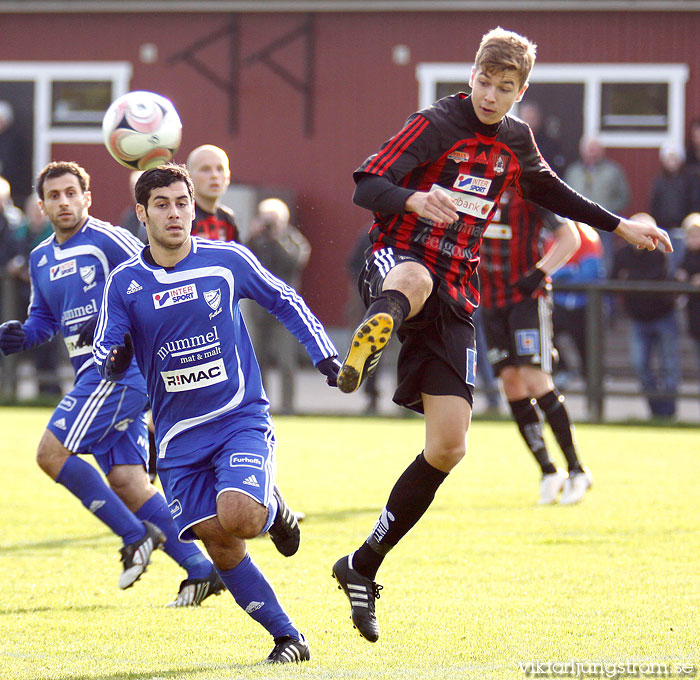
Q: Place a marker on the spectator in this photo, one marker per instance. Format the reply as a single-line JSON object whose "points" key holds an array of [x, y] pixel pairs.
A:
{"points": [[689, 270], [654, 325], [284, 250], [692, 149], [211, 174], [549, 144], [601, 180], [14, 162], [675, 193], [128, 218], [11, 219], [33, 230], [586, 264]]}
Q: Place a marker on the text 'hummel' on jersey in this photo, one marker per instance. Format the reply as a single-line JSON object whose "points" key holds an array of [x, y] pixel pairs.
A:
{"points": [[175, 296], [194, 377], [194, 342]]}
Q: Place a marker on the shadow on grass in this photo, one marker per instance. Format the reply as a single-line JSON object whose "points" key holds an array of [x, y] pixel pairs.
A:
{"points": [[54, 608], [58, 543], [336, 515], [164, 675]]}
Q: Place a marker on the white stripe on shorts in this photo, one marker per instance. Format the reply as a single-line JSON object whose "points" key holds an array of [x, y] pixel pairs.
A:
{"points": [[87, 415], [545, 334]]}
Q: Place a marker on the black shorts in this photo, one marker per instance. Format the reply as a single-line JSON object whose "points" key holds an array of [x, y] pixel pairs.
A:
{"points": [[520, 334], [438, 348]]}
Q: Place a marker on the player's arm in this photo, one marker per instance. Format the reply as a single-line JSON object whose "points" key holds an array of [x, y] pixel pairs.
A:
{"points": [[39, 327], [112, 346], [287, 305], [565, 243]]}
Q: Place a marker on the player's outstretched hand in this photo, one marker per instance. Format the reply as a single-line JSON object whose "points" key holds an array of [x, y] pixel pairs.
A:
{"points": [[12, 337], [329, 367], [531, 281], [87, 332], [644, 235], [119, 357]]}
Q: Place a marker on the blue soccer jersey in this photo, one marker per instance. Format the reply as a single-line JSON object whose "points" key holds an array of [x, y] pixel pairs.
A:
{"points": [[190, 340], [67, 282]]}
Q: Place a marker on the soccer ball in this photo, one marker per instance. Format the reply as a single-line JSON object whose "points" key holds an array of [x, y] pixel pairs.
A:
{"points": [[141, 130]]}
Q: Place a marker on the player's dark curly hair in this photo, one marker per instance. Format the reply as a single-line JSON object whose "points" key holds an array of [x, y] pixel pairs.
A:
{"points": [[58, 169], [162, 176]]}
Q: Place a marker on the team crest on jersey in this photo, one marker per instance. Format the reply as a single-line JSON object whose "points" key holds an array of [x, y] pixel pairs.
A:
{"points": [[459, 156], [499, 164], [213, 299], [527, 342], [42, 260], [175, 296], [474, 185], [58, 271], [87, 274]]}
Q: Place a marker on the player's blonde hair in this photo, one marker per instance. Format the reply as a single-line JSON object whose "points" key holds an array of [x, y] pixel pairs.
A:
{"points": [[501, 50]]}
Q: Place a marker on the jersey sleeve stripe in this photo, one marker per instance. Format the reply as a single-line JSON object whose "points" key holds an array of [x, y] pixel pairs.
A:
{"points": [[314, 326], [123, 238], [397, 146]]}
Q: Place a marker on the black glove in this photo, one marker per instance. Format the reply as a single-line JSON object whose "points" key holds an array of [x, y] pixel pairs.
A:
{"points": [[87, 332], [12, 337], [330, 367], [531, 281], [119, 358]]}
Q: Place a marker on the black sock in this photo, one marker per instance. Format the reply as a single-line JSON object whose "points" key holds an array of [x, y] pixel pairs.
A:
{"points": [[531, 429], [409, 499], [552, 405], [392, 302]]}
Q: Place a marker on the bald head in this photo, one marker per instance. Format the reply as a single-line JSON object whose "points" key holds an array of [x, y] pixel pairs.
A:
{"points": [[211, 175]]}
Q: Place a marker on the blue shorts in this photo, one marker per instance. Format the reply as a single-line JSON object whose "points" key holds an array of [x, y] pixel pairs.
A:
{"points": [[241, 459], [106, 419]]}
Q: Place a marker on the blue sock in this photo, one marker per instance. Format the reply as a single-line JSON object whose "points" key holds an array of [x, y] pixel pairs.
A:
{"points": [[255, 596], [85, 482], [187, 555]]}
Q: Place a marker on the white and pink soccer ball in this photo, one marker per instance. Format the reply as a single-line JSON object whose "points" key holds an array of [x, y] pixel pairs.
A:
{"points": [[141, 130]]}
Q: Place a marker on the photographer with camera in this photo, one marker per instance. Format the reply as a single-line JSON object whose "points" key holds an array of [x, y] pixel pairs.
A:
{"points": [[285, 251]]}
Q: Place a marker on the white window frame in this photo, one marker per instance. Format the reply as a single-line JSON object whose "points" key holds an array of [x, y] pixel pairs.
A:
{"points": [[592, 77], [43, 74]]}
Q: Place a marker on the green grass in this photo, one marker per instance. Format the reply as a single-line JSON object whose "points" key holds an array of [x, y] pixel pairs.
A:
{"points": [[486, 580]]}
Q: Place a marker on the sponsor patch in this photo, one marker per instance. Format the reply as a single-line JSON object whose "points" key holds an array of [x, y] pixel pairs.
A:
{"points": [[474, 185], [459, 156], [469, 205], [123, 424], [251, 480], [72, 347], [527, 342], [254, 606], [175, 508], [471, 367], [195, 377], [58, 271], [175, 296], [251, 460], [496, 230], [60, 423], [67, 403]]}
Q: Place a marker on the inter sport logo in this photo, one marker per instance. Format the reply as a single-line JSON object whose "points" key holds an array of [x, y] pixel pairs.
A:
{"points": [[175, 296]]}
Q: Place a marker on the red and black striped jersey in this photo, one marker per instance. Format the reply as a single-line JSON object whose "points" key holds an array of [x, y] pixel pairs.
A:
{"points": [[447, 146], [512, 245], [219, 226]]}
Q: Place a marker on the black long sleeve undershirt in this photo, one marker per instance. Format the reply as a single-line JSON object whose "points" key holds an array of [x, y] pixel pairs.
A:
{"points": [[380, 195]]}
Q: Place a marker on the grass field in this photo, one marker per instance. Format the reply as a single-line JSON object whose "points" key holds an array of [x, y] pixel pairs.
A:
{"points": [[486, 582]]}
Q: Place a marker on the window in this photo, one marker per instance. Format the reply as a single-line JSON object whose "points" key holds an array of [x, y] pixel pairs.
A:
{"points": [[624, 105], [79, 102]]}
